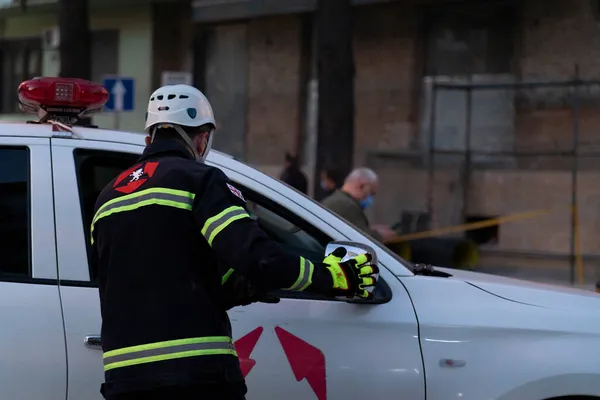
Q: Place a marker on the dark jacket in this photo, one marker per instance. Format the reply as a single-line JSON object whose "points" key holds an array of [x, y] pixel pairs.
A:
{"points": [[294, 177], [349, 208], [160, 231], [326, 194]]}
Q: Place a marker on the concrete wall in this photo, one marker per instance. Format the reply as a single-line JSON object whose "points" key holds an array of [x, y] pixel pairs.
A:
{"points": [[135, 55], [385, 47], [556, 37], [552, 39], [273, 120]]}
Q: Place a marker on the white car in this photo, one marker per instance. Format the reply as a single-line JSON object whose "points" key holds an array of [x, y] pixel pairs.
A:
{"points": [[430, 333]]}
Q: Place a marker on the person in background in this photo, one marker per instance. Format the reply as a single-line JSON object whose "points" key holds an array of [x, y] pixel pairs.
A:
{"points": [[355, 196], [293, 175], [330, 181]]}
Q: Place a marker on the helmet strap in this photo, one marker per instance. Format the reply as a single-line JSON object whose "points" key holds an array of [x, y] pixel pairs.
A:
{"points": [[186, 138], [188, 141]]}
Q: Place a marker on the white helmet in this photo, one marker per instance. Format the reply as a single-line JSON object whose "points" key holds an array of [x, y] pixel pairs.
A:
{"points": [[177, 106]]}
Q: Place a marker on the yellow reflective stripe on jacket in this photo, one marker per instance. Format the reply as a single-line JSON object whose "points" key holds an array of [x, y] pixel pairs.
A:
{"points": [[169, 350], [304, 277], [214, 225], [227, 275], [154, 196]]}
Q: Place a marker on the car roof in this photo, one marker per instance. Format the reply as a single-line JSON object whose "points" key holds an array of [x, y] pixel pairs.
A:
{"points": [[22, 129]]}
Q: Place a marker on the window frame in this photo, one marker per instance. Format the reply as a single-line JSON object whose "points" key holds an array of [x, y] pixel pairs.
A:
{"points": [[7, 276], [41, 239]]}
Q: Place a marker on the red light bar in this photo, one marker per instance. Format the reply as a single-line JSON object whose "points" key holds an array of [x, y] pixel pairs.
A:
{"points": [[61, 96]]}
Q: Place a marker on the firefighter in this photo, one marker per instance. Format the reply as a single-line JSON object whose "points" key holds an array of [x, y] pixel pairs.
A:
{"points": [[160, 231]]}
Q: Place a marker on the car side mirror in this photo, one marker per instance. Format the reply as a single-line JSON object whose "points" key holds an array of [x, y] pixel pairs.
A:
{"points": [[353, 249]]}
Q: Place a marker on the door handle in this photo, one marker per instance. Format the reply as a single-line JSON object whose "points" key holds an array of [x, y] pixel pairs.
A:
{"points": [[92, 342]]}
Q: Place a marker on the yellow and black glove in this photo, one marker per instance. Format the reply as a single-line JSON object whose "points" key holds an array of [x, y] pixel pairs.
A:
{"points": [[353, 277]]}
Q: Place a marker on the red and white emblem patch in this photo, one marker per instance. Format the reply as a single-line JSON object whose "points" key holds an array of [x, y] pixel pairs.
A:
{"points": [[236, 192]]}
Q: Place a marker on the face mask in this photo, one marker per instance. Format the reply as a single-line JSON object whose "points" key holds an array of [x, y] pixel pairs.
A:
{"points": [[324, 185], [366, 203]]}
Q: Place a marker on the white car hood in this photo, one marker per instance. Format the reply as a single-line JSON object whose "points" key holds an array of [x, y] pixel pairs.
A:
{"points": [[538, 294]]}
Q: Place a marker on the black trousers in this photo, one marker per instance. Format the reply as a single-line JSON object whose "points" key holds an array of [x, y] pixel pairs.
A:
{"points": [[196, 392]]}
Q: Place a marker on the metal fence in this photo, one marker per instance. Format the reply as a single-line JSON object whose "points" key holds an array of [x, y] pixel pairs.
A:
{"points": [[524, 156]]}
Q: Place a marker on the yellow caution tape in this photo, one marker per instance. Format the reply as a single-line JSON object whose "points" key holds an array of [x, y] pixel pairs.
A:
{"points": [[468, 227]]}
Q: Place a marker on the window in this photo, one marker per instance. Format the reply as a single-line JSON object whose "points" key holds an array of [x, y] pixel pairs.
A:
{"points": [[15, 247], [20, 59], [95, 169], [297, 237]]}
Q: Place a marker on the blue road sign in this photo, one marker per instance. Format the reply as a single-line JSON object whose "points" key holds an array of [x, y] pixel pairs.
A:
{"points": [[121, 90]]}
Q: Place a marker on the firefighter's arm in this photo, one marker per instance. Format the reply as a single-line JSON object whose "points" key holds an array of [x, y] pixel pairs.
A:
{"points": [[220, 211]]}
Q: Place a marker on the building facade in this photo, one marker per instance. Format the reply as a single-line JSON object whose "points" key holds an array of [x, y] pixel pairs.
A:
{"points": [[258, 66], [122, 40], [256, 61]]}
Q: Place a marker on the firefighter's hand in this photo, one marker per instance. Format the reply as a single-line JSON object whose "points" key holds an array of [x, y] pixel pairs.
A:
{"points": [[354, 277], [239, 291]]}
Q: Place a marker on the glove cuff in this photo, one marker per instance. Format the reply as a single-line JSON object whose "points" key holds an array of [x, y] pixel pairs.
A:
{"points": [[322, 282]]}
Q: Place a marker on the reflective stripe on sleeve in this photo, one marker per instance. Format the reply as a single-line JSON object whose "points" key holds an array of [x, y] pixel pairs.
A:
{"points": [[227, 275], [304, 277], [169, 350], [154, 196], [214, 225]]}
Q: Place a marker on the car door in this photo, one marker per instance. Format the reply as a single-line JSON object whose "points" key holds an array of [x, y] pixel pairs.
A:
{"points": [[83, 169], [33, 364], [311, 347], [393, 366]]}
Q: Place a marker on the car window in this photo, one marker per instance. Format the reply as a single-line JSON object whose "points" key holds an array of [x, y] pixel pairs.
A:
{"points": [[15, 220], [95, 169], [295, 235], [290, 236], [407, 264]]}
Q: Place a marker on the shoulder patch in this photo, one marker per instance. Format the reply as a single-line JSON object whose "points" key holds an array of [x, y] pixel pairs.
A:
{"points": [[236, 192], [130, 180]]}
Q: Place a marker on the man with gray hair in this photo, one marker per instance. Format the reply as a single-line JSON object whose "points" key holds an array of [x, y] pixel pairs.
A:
{"points": [[356, 195]]}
